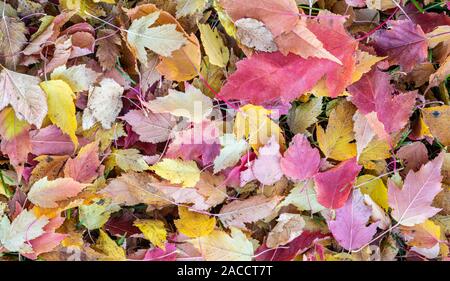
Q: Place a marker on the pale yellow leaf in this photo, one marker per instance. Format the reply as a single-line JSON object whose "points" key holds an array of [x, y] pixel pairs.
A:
{"points": [[178, 171]]}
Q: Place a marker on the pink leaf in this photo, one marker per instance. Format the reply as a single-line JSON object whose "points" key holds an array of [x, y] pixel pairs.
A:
{"points": [[392, 110], [266, 168], [334, 186], [84, 167], [50, 140], [405, 43], [47, 241], [46, 194], [290, 250], [199, 142], [411, 205], [267, 77], [17, 150], [151, 127], [300, 161], [349, 228], [157, 254], [279, 16]]}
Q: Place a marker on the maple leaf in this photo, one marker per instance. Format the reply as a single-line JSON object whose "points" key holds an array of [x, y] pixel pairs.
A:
{"points": [[435, 118], [266, 168], [312, 232], [108, 50], [191, 104], [151, 127], [200, 143], [414, 155], [163, 39], [289, 227], [15, 235], [109, 248], [190, 7], [194, 224], [184, 63], [301, 41], [153, 230], [334, 185], [411, 204], [375, 188], [231, 152], [336, 141], [253, 123], [219, 246], [48, 166], [63, 49], [266, 77], [46, 194], [298, 150], [303, 196], [278, 16], [84, 167], [157, 254], [405, 44], [177, 171], [96, 214], [303, 116], [392, 110], [128, 160], [349, 228], [252, 209], [23, 93]]}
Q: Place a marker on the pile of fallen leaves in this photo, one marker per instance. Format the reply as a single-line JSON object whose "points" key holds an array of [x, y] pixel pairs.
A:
{"points": [[224, 130]]}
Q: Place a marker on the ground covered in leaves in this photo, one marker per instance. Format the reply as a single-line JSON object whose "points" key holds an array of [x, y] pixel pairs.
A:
{"points": [[224, 130]]}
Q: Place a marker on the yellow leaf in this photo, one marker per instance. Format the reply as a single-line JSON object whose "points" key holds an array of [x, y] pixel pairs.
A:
{"points": [[225, 20], [178, 171], [375, 188], [45, 22], [219, 246], [305, 115], [364, 62], [184, 63], [335, 141], [422, 235], [192, 104], [382, 5], [127, 160], [190, 7], [10, 126], [109, 248], [61, 108], [253, 123], [438, 35], [376, 150], [105, 1], [193, 224], [437, 119], [215, 49], [154, 231], [83, 7]]}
